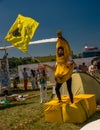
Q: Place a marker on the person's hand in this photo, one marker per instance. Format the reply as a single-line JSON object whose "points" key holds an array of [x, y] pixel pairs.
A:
{"points": [[69, 63]]}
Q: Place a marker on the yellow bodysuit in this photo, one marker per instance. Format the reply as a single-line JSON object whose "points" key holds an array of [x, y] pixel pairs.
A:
{"points": [[63, 70]]}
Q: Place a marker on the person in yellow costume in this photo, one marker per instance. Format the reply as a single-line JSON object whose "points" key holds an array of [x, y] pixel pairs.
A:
{"points": [[64, 65]]}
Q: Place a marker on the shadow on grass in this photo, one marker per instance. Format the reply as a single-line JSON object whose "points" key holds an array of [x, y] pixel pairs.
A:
{"points": [[19, 91], [6, 106]]}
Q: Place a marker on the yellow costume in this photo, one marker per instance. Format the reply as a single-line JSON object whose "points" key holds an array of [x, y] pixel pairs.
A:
{"points": [[63, 68]]}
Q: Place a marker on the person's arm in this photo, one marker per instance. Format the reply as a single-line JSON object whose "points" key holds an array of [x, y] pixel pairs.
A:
{"points": [[71, 62], [49, 66]]}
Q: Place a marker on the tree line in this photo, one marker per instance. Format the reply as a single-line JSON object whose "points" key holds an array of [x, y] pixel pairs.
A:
{"points": [[14, 61]]}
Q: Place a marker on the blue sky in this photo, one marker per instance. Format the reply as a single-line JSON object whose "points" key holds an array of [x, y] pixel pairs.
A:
{"points": [[79, 21]]}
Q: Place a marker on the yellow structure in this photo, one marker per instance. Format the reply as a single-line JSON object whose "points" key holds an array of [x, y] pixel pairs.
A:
{"points": [[90, 101], [75, 113], [83, 107], [53, 111]]}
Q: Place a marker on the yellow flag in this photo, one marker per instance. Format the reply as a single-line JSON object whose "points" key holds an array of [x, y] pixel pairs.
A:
{"points": [[21, 32]]}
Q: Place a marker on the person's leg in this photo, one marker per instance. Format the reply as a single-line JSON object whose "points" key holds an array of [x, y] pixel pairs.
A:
{"points": [[46, 98], [44, 93], [25, 84], [41, 94], [69, 87], [32, 82], [53, 92], [58, 85]]}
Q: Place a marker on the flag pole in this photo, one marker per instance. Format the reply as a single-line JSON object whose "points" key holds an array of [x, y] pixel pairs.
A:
{"points": [[36, 59]]}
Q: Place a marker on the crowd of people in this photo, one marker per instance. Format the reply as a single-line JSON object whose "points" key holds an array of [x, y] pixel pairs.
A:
{"points": [[92, 69], [38, 79]]}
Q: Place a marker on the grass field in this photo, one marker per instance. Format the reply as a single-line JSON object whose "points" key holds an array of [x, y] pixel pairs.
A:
{"points": [[29, 115]]}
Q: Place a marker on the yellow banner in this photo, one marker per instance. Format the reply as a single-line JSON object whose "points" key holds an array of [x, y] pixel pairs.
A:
{"points": [[21, 32]]}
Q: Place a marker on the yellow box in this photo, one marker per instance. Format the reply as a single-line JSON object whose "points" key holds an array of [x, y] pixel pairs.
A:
{"points": [[90, 100], [76, 112], [83, 107], [53, 111]]}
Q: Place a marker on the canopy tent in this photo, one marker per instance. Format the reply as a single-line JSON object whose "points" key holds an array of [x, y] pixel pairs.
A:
{"points": [[83, 83]]}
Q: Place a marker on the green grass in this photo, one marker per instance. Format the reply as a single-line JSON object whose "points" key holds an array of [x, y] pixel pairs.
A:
{"points": [[29, 115]]}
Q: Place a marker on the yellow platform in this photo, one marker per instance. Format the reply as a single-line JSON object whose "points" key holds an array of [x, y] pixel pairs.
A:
{"points": [[76, 112], [83, 107], [53, 111], [90, 100]]}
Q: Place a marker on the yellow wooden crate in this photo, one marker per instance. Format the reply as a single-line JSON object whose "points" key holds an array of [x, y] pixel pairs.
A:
{"points": [[90, 100]]}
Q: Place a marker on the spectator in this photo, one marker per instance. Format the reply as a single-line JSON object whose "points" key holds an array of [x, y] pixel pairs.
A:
{"points": [[83, 67], [33, 78], [42, 78], [25, 76], [93, 70]]}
